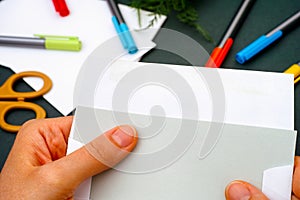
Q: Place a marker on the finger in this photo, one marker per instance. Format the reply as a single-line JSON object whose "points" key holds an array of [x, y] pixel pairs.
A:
{"points": [[43, 139], [99, 155], [49, 138], [240, 190], [296, 177], [62, 123], [56, 133]]}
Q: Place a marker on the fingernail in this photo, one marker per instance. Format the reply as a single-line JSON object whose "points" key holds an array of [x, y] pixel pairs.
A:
{"points": [[238, 191], [124, 136]]}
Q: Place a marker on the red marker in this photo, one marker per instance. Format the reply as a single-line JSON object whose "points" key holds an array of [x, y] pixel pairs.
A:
{"points": [[61, 7], [219, 53]]}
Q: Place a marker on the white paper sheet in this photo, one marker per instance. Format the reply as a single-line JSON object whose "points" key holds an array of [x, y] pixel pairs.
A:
{"points": [[250, 98], [90, 20]]}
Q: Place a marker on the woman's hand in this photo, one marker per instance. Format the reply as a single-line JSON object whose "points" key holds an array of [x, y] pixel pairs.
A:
{"points": [[38, 168], [240, 190]]}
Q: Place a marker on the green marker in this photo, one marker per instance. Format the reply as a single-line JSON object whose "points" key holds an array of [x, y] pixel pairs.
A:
{"points": [[52, 42]]}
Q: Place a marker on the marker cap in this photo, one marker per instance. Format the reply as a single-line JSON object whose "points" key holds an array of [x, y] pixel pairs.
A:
{"points": [[68, 43], [119, 32], [61, 7], [255, 47], [295, 70], [131, 47]]}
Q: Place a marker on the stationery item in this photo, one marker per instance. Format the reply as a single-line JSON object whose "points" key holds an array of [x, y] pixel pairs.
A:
{"points": [[295, 70], [51, 42], [136, 87], [157, 169], [121, 28], [219, 53], [12, 100], [61, 7], [90, 23], [266, 40]]}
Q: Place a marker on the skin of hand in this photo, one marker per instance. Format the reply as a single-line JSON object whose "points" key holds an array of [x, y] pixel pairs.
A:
{"points": [[241, 190], [38, 168]]}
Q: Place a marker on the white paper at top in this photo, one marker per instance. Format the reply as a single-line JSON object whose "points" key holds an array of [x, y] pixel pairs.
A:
{"points": [[90, 20], [263, 99]]}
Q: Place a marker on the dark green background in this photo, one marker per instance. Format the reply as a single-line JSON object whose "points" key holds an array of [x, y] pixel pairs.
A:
{"points": [[215, 15]]}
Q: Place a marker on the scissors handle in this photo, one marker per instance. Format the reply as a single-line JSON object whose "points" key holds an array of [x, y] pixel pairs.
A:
{"points": [[7, 106], [7, 91]]}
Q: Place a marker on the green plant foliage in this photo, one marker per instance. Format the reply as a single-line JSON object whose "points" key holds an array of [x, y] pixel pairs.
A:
{"points": [[184, 10]]}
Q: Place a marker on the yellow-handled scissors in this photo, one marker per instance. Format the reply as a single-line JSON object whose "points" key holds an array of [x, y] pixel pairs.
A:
{"points": [[12, 100]]}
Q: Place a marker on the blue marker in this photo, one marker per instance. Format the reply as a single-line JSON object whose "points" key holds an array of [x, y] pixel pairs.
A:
{"points": [[121, 28], [264, 41]]}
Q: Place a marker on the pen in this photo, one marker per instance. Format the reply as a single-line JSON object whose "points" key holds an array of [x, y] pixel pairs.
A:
{"points": [[68, 43], [219, 53], [294, 69], [61, 7], [265, 40], [121, 28]]}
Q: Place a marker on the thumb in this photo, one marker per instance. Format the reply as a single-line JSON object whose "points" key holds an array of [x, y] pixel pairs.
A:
{"points": [[240, 190], [102, 153]]}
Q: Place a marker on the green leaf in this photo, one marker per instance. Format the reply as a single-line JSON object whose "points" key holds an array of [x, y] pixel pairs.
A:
{"points": [[184, 10]]}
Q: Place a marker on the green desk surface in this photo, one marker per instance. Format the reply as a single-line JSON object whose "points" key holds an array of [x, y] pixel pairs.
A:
{"points": [[215, 15]]}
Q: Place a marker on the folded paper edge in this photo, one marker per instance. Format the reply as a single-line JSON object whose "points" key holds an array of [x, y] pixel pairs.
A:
{"points": [[83, 190], [277, 182]]}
